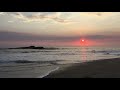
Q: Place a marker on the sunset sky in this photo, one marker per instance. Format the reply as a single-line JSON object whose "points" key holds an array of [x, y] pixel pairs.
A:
{"points": [[59, 29]]}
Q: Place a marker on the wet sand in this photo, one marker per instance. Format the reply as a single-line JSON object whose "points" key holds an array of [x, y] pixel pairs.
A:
{"points": [[27, 70], [107, 68]]}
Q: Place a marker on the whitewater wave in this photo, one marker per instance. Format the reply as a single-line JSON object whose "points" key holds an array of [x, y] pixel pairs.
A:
{"points": [[55, 62], [42, 76]]}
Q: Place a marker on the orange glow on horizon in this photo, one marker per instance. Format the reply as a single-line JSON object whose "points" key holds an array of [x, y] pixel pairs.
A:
{"points": [[85, 42]]}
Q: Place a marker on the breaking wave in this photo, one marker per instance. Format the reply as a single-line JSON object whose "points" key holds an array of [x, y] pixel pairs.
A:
{"points": [[55, 62]]}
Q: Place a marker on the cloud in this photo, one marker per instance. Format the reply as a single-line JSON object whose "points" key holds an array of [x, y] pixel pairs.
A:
{"points": [[98, 14], [17, 15], [15, 36], [97, 36], [37, 17], [58, 17], [10, 21], [1, 13], [8, 38], [109, 39]]}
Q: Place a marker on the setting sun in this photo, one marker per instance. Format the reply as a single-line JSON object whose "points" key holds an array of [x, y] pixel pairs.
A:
{"points": [[83, 40], [39, 44]]}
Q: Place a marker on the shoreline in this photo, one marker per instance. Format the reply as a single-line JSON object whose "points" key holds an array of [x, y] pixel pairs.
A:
{"points": [[28, 70], [59, 68], [104, 68], [48, 73]]}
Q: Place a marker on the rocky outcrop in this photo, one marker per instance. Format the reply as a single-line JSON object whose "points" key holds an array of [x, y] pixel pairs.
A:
{"points": [[32, 47]]}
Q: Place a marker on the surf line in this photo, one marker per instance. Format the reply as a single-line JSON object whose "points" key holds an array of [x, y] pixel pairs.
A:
{"points": [[48, 73]]}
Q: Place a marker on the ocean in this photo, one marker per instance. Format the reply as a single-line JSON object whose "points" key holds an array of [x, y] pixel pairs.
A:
{"points": [[37, 63]]}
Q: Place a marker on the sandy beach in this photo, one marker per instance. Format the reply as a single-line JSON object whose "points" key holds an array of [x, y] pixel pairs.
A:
{"points": [[28, 70], [107, 68]]}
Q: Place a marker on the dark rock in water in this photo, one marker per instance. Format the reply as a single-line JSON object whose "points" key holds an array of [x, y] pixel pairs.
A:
{"points": [[25, 52], [30, 47], [23, 61], [93, 51], [118, 54], [33, 47], [107, 53]]}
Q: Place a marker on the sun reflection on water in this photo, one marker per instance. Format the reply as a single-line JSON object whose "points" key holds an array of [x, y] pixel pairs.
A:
{"points": [[84, 54]]}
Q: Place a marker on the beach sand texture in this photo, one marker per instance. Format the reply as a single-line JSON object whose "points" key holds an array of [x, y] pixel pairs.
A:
{"points": [[108, 68]]}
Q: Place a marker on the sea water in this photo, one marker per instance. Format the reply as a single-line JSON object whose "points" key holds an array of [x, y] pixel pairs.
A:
{"points": [[25, 63]]}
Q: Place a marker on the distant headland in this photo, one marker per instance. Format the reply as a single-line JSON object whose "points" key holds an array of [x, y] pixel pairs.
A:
{"points": [[33, 47]]}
